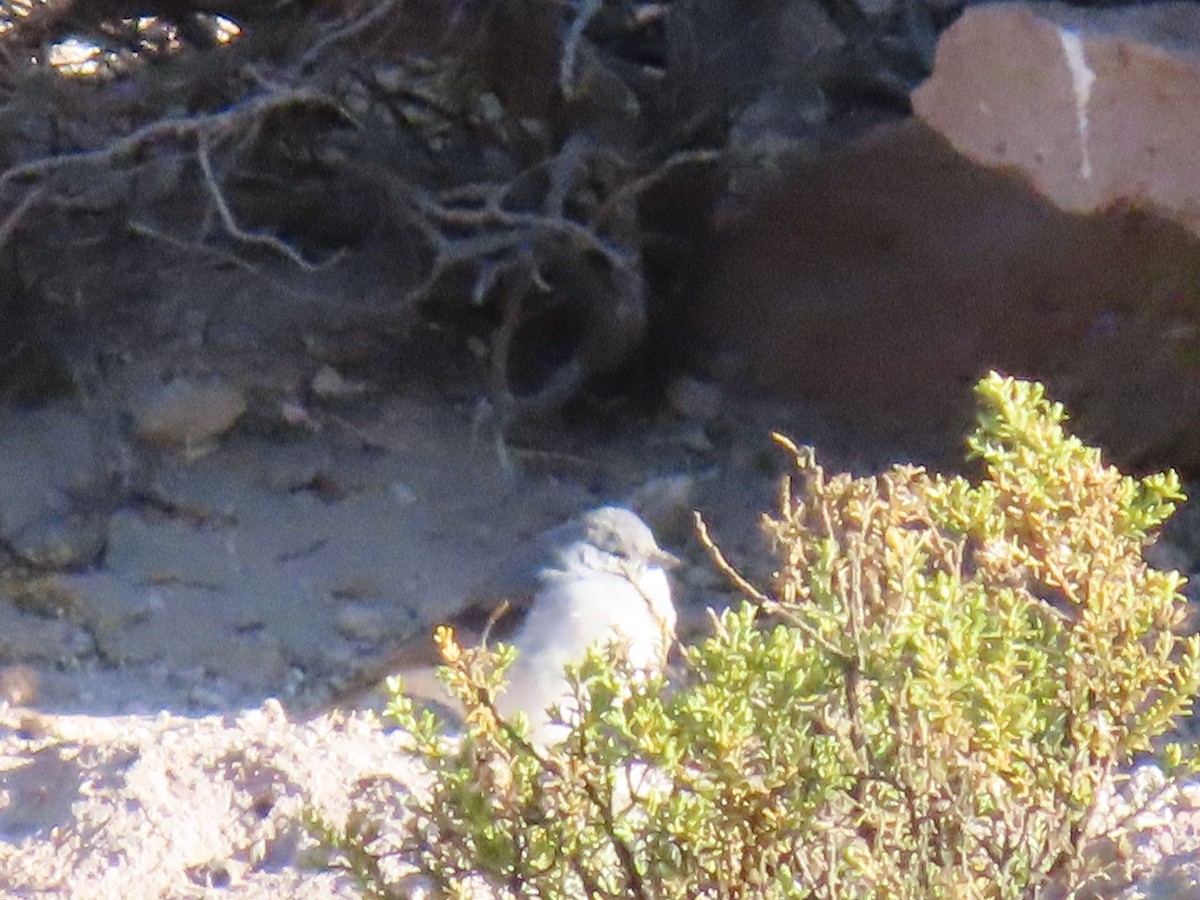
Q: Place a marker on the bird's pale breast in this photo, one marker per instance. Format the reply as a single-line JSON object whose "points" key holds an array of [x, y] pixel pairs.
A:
{"points": [[575, 613]]}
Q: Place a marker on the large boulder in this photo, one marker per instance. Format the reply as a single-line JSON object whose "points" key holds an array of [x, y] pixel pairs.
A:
{"points": [[1040, 217]]}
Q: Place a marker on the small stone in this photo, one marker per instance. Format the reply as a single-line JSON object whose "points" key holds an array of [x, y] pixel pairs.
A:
{"points": [[330, 384], [361, 623], [295, 680], [490, 108], [390, 78], [47, 597], [18, 685], [189, 415], [357, 102], [296, 413], [666, 503], [55, 541], [403, 493]]}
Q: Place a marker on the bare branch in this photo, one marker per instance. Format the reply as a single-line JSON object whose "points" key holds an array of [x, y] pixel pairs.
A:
{"points": [[568, 66], [13, 219], [724, 566], [227, 121], [250, 237], [376, 13]]}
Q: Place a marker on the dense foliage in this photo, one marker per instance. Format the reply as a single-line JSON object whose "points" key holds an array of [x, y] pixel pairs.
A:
{"points": [[937, 698]]}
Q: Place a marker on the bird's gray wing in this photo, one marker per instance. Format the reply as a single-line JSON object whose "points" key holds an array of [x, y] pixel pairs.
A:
{"points": [[510, 587], [496, 607], [498, 604]]}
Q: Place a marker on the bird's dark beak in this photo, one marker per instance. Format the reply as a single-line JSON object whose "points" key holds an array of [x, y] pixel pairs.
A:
{"points": [[665, 560]]}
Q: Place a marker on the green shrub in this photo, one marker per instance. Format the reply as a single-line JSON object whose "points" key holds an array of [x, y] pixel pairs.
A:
{"points": [[935, 699]]}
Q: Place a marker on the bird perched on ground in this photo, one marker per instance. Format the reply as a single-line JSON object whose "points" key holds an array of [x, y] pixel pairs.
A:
{"points": [[599, 577]]}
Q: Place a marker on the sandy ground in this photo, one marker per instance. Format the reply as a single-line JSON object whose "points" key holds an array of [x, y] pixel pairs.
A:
{"points": [[172, 661]]}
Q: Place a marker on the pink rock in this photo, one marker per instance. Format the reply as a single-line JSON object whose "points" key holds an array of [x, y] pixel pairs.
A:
{"points": [[876, 282], [1096, 109], [1039, 217]]}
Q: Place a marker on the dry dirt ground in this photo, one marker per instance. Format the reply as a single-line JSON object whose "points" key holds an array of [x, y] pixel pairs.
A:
{"points": [[171, 704], [159, 738]]}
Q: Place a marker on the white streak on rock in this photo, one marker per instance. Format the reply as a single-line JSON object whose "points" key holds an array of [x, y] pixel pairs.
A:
{"points": [[1082, 79]]}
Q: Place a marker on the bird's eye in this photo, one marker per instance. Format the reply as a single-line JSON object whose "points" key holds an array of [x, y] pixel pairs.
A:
{"points": [[616, 547]]}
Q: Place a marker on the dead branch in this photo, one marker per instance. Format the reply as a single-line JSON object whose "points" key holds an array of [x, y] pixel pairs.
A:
{"points": [[13, 219], [355, 24], [122, 150], [248, 237]]}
